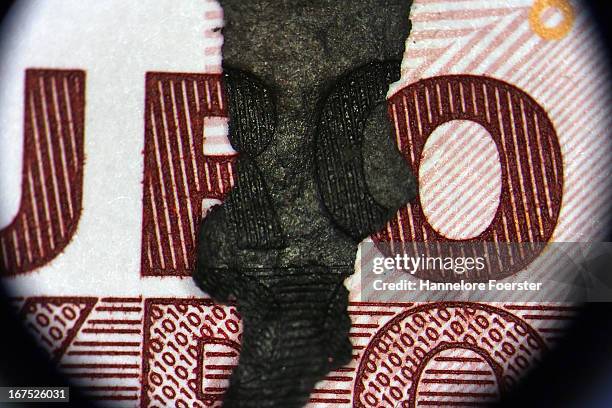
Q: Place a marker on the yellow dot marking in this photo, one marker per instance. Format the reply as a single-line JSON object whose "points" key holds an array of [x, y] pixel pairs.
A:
{"points": [[560, 30]]}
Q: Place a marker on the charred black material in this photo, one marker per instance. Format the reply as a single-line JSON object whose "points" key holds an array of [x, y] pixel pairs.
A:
{"points": [[306, 85], [339, 150], [251, 212]]}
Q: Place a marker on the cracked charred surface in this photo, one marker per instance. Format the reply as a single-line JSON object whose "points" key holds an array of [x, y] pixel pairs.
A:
{"points": [[306, 84]]}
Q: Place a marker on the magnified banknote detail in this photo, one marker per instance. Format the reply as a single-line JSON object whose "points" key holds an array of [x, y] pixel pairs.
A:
{"points": [[190, 192], [286, 237]]}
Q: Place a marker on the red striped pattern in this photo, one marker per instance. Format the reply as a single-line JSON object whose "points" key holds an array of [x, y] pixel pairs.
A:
{"points": [[200, 340], [445, 353], [52, 176], [213, 39], [218, 360], [447, 382], [568, 77], [529, 154], [56, 321], [178, 176], [104, 360]]}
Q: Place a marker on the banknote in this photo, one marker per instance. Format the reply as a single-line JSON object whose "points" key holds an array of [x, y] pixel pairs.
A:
{"points": [[114, 147]]}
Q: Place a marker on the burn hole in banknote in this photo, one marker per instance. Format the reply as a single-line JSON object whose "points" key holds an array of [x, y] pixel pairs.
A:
{"points": [[306, 85]]}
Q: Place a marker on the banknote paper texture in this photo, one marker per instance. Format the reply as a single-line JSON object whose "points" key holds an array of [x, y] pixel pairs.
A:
{"points": [[98, 216]]}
